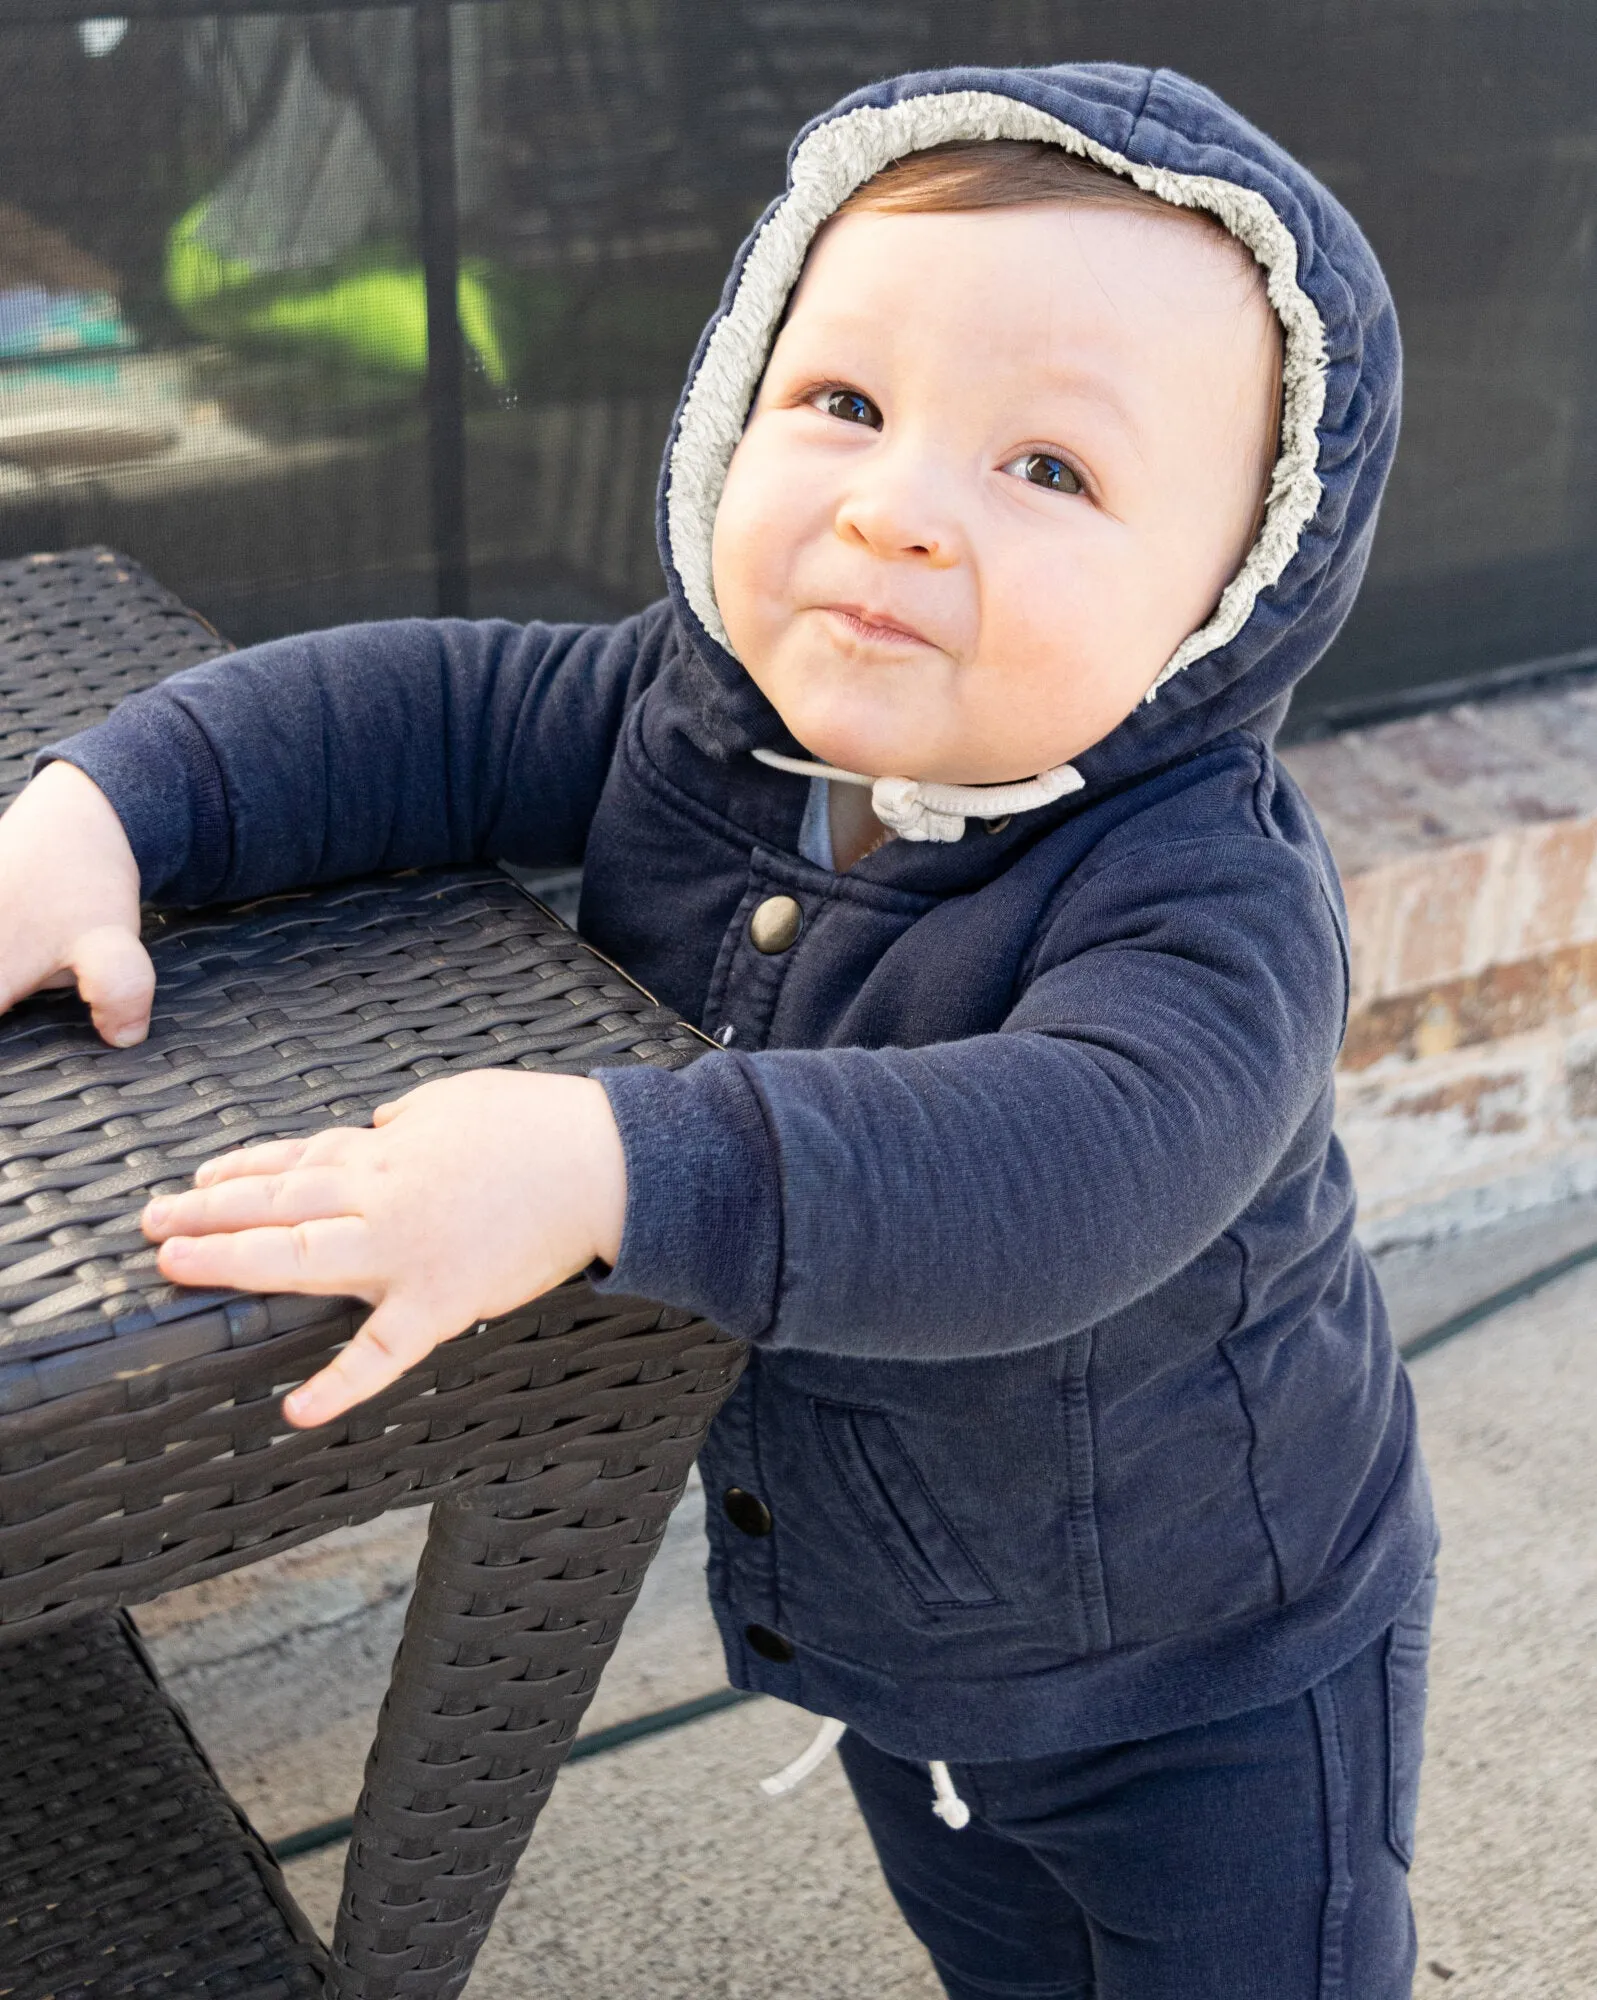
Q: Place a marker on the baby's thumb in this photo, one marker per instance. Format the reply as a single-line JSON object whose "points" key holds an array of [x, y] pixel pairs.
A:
{"points": [[117, 982]]}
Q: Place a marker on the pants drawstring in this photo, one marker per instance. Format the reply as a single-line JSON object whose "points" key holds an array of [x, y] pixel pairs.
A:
{"points": [[825, 1741], [949, 1807]]}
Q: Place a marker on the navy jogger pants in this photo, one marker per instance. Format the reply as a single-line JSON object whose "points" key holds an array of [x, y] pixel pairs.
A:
{"points": [[1260, 1858]]}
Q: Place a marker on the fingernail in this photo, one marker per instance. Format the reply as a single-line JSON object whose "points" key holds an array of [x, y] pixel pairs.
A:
{"points": [[156, 1213], [124, 1038]]}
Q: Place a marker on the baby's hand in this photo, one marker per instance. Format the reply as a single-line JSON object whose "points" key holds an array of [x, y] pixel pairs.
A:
{"points": [[468, 1197], [69, 903]]}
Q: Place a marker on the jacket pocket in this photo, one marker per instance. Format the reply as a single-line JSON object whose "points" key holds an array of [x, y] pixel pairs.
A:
{"points": [[906, 1523], [1408, 1646]]}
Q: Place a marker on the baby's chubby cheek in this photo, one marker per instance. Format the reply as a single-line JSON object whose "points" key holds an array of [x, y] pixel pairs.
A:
{"points": [[753, 554], [764, 567], [861, 716]]}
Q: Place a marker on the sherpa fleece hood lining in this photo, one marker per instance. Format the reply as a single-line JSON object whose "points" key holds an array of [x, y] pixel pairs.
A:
{"points": [[845, 152]]}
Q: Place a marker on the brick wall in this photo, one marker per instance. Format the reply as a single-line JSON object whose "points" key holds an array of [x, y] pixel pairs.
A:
{"points": [[1467, 841]]}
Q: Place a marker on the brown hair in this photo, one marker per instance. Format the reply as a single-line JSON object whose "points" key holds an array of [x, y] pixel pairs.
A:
{"points": [[969, 174], [1001, 173]]}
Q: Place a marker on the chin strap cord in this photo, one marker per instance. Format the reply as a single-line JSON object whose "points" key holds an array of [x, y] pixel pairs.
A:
{"points": [[918, 809], [949, 1807]]}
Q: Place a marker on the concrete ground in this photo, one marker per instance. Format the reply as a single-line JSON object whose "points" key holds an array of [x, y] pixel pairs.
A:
{"points": [[1508, 1818], [660, 1871]]}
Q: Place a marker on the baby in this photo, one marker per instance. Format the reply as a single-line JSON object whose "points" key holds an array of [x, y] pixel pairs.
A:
{"points": [[1033, 455]]}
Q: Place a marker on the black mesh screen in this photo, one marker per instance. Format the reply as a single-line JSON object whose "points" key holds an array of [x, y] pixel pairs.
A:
{"points": [[221, 253]]}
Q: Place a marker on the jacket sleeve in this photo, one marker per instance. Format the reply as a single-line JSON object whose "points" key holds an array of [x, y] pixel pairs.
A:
{"points": [[987, 1195], [369, 747]]}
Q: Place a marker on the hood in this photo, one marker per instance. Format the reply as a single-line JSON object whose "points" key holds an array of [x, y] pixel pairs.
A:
{"points": [[1341, 383]]}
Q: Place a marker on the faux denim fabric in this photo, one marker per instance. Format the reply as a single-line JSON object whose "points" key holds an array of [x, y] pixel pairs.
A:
{"points": [[1261, 1858], [1072, 1397]]}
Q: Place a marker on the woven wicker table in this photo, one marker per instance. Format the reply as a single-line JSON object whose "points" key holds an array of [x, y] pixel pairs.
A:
{"points": [[142, 1443]]}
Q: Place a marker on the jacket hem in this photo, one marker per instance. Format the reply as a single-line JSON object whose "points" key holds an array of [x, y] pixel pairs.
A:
{"points": [[1107, 1698]]}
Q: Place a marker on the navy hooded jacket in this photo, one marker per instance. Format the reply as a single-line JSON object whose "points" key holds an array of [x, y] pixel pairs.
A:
{"points": [[1072, 1407]]}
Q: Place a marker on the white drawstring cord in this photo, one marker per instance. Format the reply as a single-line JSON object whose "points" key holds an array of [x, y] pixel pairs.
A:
{"points": [[918, 809], [825, 1741], [949, 1807], [806, 767]]}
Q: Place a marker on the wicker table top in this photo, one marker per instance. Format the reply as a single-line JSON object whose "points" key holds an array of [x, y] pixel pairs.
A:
{"points": [[142, 1442], [295, 1013]]}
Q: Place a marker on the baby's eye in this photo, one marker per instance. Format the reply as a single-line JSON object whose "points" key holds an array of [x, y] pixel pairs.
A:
{"points": [[850, 405], [1042, 468]]}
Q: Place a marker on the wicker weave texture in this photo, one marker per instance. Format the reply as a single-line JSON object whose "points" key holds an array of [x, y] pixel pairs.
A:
{"points": [[78, 632], [160, 1477], [299, 1012], [142, 1442], [124, 1869], [504, 1643]]}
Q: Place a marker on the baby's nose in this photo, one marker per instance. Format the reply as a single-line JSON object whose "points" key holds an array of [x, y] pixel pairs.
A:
{"points": [[897, 526]]}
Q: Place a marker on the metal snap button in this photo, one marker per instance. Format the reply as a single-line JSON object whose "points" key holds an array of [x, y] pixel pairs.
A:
{"points": [[775, 924], [746, 1511], [768, 1644]]}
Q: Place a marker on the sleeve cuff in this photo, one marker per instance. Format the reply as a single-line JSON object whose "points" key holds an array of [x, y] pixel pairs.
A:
{"points": [[156, 766], [704, 1214]]}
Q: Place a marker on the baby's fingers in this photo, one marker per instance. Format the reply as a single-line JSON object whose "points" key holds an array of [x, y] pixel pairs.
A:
{"points": [[325, 1257], [394, 1338], [251, 1201], [117, 982], [276, 1156]]}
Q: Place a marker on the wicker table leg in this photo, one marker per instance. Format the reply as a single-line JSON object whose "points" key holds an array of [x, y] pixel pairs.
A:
{"points": [[124, 1867], [520, 1598]]}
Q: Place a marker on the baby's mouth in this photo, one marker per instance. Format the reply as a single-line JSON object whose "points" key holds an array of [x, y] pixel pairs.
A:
{"points": [[875, 627]]}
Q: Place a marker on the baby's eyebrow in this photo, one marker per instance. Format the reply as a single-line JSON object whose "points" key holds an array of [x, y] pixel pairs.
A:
{"points": [[1088, 385], [839, 324]]}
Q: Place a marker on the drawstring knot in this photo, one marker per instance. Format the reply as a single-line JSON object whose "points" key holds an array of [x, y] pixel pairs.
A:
{"points": [[950, 1808], [901, 805], [919, 809]]}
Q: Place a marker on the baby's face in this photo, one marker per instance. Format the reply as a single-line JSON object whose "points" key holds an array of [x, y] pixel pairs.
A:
{"points": [[1000, 465]]}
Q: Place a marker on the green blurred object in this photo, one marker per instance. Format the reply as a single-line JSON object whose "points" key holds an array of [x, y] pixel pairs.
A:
{"points": [[369, 308], [307, 243]]}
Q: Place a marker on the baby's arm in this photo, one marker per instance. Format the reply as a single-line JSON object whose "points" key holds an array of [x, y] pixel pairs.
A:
{"points": [[372, 747], [992, 1194], [968, 1197], [377, 746]]}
